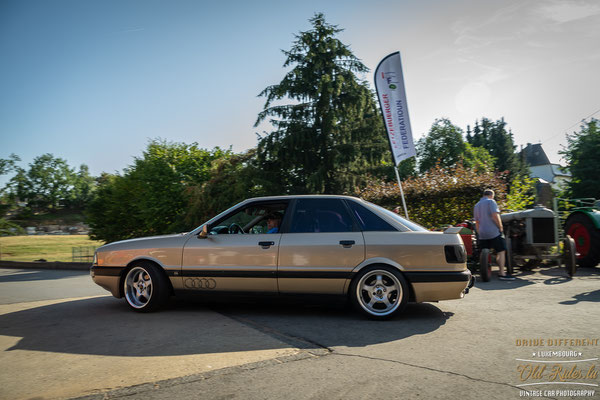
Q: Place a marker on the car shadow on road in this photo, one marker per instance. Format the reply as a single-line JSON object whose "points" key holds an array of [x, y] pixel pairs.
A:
{"points": [[496, 284], [106, 326], [333, 325]]}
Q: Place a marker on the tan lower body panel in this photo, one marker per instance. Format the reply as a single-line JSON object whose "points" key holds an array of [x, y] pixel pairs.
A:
{"points": [[110, 283], [312, 285], [434, 291]]}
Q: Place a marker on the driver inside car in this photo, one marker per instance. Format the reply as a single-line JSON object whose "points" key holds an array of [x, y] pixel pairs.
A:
{"points": [[273, 222]]}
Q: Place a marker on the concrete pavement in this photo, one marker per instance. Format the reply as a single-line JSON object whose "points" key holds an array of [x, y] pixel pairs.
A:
{"points": [[64, 347], [466, 349]]}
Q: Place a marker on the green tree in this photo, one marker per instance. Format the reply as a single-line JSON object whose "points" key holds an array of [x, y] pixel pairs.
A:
{"points": [[443, 145], [9, 228], [406, 168], [330, 133], [581, 155], [478, 159], [499, 142], [9, 164], [149, 198], [521, 193], [45, 185], [232, 179], [82, 191]]}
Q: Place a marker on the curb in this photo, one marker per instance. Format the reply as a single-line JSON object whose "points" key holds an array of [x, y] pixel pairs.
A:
{"points": [[73, 266]]}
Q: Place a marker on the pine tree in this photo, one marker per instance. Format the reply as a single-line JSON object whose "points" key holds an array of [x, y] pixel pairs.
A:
{"points": [[330, 133], [494, 137]]}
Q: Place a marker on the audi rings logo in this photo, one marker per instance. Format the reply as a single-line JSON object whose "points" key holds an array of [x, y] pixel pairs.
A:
{"points": [[200, 283]]}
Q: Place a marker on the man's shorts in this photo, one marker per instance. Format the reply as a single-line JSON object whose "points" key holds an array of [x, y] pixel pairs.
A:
{"points": [[498, 243]]}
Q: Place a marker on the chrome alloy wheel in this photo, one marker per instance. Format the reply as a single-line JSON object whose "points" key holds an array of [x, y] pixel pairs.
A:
{"points": [[379, 292], [138, 287]]}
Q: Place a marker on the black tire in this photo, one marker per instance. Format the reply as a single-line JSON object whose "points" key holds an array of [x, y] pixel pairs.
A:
{"points": [[569, 255], [587, 239], [531, 263], [379, 292], [510, 261], [145, 287], [485, 267]]}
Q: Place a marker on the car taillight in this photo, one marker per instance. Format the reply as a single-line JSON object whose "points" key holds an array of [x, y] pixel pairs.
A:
{"points": [[455, 254]]}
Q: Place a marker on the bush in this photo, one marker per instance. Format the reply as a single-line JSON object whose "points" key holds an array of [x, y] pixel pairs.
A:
{"points": [[440, 196], [149, 198], [8, 228], [521, 194], [232, 180]]}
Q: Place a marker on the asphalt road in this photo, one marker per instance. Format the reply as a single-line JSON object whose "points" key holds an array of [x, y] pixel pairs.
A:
{"points": [[63, 337]]}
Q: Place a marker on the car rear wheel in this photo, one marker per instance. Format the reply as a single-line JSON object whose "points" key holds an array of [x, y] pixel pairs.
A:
{"points": [[379, 292], [145, 287]]}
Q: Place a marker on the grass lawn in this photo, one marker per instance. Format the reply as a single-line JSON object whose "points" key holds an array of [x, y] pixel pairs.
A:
{"points": [[48, 247]]}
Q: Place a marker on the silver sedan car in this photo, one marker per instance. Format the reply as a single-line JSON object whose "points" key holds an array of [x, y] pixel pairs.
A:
{"points": [[319, 245]]}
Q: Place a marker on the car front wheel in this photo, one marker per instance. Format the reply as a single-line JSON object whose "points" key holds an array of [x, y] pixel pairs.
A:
{"points": [[379, 292], [145, 287]]}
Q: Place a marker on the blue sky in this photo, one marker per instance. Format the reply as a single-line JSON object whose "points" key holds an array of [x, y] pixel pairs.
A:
{"points": [[92, 81]]}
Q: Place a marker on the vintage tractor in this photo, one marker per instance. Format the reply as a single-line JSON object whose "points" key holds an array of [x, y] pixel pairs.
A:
{"points": [[531, 237], [582, 223]]}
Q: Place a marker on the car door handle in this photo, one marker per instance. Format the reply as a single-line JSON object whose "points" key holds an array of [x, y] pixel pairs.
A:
{"points": [[347, 243], [266, 245]]}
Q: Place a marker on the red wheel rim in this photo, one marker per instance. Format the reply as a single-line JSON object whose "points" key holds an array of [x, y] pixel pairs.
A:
{"points": [[582, 239]]}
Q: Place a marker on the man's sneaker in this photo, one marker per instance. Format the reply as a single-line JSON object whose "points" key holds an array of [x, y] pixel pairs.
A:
{"points": [[506, 277]]}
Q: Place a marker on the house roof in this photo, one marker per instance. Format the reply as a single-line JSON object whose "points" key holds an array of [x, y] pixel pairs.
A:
{"points": [[535, 155]]}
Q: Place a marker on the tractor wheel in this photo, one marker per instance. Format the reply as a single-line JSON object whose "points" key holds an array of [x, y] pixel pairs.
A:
{"points": [[569, 255], [587, 239], [510, 261], [485, 266]]}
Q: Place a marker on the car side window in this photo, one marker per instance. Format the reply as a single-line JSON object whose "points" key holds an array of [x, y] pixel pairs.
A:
{"points": [[320, 215], [368, 220], [252, 219]]}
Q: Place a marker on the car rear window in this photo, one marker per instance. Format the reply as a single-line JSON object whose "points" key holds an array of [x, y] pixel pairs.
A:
{"points": [[320, 215], [413, 226], [367, 219]]}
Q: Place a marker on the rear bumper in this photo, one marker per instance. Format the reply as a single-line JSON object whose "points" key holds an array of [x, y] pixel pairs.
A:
{"points": [[108, 278], [436, 286], [430, 277]]}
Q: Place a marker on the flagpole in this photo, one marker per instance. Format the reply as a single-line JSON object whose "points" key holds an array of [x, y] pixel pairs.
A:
{"points": [[389, 84], [401, 192]]}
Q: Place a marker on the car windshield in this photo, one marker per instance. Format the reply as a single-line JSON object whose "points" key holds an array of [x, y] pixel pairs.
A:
{"points": [[413, 226]]}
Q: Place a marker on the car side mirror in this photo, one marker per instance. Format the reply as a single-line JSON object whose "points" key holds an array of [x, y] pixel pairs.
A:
{"points": [[204, 232]]}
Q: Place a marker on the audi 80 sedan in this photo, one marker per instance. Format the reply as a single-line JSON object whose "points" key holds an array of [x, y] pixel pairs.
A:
{"points": [[320, 245]]}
